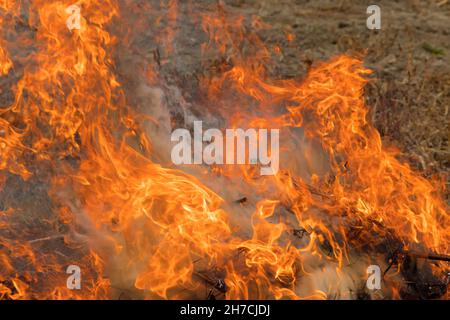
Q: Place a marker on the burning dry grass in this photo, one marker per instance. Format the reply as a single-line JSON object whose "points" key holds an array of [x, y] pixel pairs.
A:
{"points": [[86, 180], [410, 56], [414, 115]]}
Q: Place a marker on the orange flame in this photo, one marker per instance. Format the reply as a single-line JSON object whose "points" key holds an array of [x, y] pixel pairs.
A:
{"points": [[136, 225]]}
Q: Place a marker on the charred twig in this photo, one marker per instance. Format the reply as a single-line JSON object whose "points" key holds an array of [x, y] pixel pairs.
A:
{"points": [[419, 255], [241, 200], [211, 295], [392, 260], [300, 233], [219, 284], [428, 256], [157, 57]]}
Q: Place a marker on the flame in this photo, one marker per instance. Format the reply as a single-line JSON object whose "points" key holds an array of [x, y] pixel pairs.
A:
{"points": [[5, 62], [135, 224]]}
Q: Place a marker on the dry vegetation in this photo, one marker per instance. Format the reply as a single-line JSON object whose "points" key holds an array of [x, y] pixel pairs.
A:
{"points": [[410, 95]]}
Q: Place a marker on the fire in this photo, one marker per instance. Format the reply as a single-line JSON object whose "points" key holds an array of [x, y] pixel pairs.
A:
{"points": [[5, 62], [136, 224]]}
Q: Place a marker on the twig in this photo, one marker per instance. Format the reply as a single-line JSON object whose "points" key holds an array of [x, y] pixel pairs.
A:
{"points": [[46, 238], [429, 256]]}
